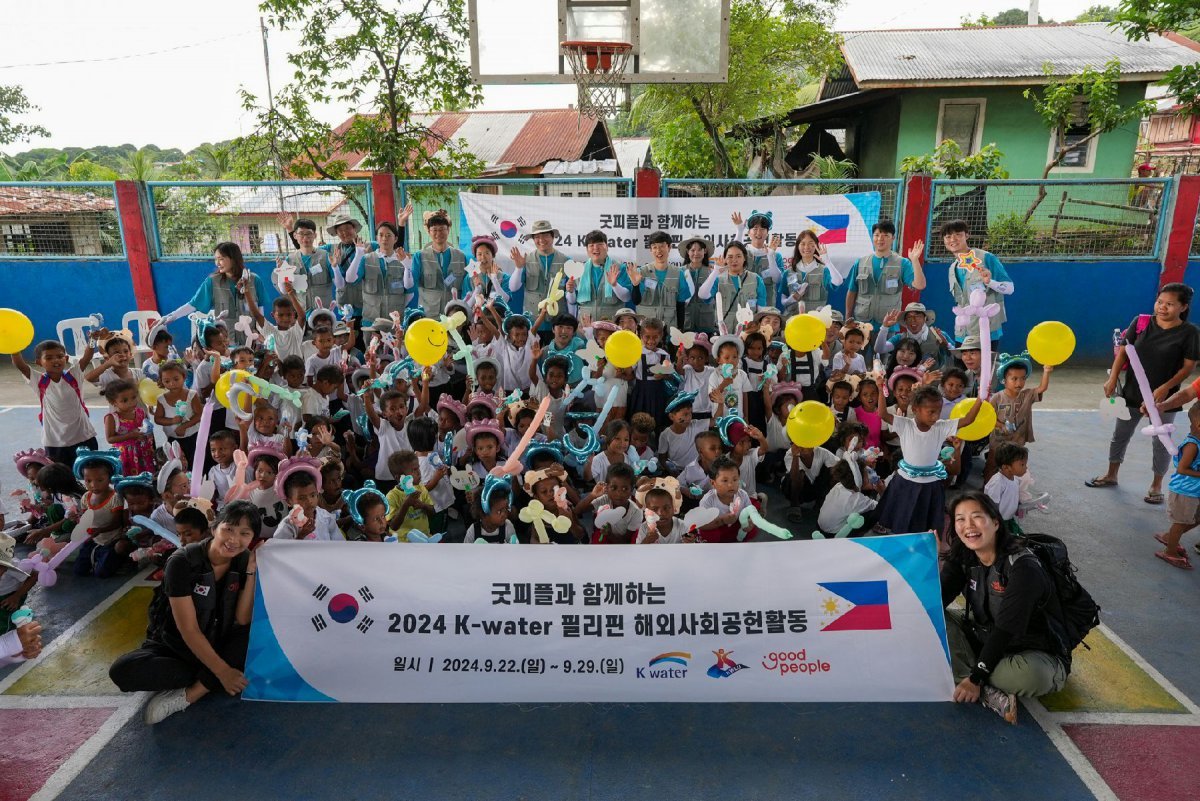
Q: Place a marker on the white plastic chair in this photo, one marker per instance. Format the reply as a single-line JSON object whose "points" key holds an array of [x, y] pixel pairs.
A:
{"points": [[141, 333], [75, 327]]}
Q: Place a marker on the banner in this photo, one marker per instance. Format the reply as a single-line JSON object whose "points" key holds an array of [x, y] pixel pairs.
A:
{"points": [[841, 222], [835, 620]]}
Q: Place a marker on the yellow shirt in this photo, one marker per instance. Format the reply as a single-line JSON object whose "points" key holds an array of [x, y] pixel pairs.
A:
{"points": [[414, 517]]}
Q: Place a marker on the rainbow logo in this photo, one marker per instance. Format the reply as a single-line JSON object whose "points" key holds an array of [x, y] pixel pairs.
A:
{"points": [[831, 228], [343, 608], [678, 657], [508, 228]]}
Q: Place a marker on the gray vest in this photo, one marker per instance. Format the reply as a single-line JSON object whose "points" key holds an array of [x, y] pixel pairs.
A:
{"points": [[433, 292], [349, 293], [382, 286], [661, 302], [874, 301], [962, 296], [537, 282], [699, 316], [603, 303], [815, 296], [732, 298], [226, 298], [320, 279], [759, 266]]}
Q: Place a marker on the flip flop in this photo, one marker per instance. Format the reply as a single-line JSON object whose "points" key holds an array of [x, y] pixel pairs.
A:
{"points": [[1100, 481], [1153, 498], [1180, 561], [1178, 548]]}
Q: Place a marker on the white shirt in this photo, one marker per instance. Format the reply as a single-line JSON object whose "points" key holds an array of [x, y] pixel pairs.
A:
{"points": [[221, 478], [711, 501], [391, 440], [857, 364], [287, 343], [325, 529], [747, 470], [600, 463], [1006, 492], [694, 476], [514, 364], [443, 494], [777, 436], [921, 448], [630, 521], [821, 460], [539, 391], [168, 410], [675, 535], [313, 403], [507, 527], [110, 375], [680, 449], [698, 383], [64, 422], [740, 385], [839, 504]]}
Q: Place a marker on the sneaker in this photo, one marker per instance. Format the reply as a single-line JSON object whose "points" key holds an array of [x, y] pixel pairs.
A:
{"points": [[163, 705], [1002, 703]]}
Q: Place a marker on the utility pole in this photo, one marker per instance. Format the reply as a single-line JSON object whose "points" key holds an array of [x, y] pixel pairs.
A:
{"points": [[1033, 12], [262, 25]]}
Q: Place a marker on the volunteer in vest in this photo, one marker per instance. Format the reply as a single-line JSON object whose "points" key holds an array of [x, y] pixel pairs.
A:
{"points": [[935, 345], [437, 268], [485, 278], [311, 261], [765, 259], [663, 292], [530, 281], [346, 255], [696, 314], [606, 285], [1168, 346], [875, 282], [222, 291], [808, 282], [983, 271], [1003, 644], [199, 620], [736, 285], [386, 275]]}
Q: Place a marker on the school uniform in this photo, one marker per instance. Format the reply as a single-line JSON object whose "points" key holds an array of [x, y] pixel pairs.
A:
{"points": [[698, 382], [66, 426], [915, 498], [679, 450], [650, 394], [673, 537], [756, 409], [727, 533]]}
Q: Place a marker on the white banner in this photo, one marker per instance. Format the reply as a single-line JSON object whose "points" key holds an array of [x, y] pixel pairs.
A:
{"points": [[835, 620], [842, 222]]}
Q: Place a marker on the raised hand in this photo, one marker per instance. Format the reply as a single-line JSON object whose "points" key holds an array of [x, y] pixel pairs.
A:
{"points": [[517, 256], [918, 248], [736, 218], [404, 214], [286, 221], [891, 318]]}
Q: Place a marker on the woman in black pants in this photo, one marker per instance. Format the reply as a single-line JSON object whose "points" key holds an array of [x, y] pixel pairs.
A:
{"points": [[199, 620]]}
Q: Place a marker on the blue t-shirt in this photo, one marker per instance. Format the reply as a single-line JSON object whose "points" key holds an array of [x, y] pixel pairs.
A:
{"points": [[1186, 485], [202, 301], [877, 265]]}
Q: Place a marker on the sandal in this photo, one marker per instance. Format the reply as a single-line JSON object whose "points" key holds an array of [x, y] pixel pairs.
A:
{"points": [[1100, 481], [1162, 540], [1153, 497], [1178, 560]]}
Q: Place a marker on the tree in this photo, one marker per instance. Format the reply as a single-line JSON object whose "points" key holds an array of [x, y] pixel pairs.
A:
{"points": [[1141, 18], [775, 47], [386, 65], [1013, 16], [1097, 14], [947, 161], [217, 160], [1087, 100], [139, 166], [14, 103]]}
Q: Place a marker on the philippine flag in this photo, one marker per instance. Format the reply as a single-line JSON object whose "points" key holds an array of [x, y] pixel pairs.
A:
{"points": [[860, 606], [831, 228]]}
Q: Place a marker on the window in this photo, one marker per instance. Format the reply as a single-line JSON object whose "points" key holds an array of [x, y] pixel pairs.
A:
{"points": [[1081, 159], [961, 121]]}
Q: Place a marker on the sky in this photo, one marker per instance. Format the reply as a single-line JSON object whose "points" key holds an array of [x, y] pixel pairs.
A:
{"points": [[168, 74]]}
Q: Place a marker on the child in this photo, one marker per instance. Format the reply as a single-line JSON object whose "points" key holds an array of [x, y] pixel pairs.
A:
{"points": [[125, 427], [491, 524], [105, 550], [954, 387], [915, 498], [614, 493], [483, 438], [332, 479], [729, 387], [844, 499], [323, 355], [753, 364], [1183, 496], [388, 428], [299, 481], [327, 383], [172, 485], [221, 445], [64, 416], [840, 395], [409, 503], [1014, 407], [661, 505], [649, 392], [697, 476], [617, 450], [288, 328], [368, 514], [552, 384], [693, 365], [515, 353], [1012, 462], [264, 464], [546, 482], [421, 435], [161, 351], [867, 413], [641, 432], [263, 429], [747, 446], [808, 479], [118, 353], [35, 501], [728, 498], [178, 409], [677, 444], [850, 360]]}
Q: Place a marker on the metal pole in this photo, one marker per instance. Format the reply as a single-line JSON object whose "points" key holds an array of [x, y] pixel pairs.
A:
{"points": [[1032, 19], [262, 25]]}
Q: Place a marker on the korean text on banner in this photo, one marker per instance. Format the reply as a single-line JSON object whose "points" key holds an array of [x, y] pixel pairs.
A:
{"points": [[839, 620]]}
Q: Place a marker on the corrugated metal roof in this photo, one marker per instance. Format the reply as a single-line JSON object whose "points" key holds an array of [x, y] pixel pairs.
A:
{"points": [[552, 134], [605, 167], [15, 200], [299, 199], [1013, 54], [488, 135], [632, 153]]}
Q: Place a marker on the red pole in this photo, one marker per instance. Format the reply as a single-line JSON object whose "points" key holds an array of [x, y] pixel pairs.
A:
{"points": [[383, 193], [646, 183], [918, 199], [137, 245], [1182, 227]]}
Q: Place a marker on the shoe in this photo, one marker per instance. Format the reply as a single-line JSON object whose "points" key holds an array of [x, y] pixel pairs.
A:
{"points": [[1002, 703], [157, 575], [163, 705]]}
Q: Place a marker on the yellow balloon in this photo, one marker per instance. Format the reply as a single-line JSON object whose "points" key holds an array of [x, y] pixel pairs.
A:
{"points": [[804, 332], [810, 424], [228, 379], [426, 341], [985, 422], [623, 349], [1050, 342], [16, 331], [149, 392]]}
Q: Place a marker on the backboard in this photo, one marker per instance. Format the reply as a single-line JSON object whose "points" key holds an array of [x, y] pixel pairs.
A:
{"points": [[674, 41]]}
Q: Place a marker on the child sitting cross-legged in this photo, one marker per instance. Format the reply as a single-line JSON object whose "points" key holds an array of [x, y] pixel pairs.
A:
{"points": [[661, 501], [617, 515], [728, 498], [299, 483]]}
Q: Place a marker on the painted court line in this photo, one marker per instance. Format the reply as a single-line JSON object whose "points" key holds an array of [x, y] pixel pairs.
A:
{"points": [[1070, 752], [1127, 718], [61, 701], [1150, 670], [83, 755]]}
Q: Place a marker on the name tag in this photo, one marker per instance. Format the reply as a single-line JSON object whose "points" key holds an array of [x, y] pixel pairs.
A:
{"points": [[892, 283], [314, 269], [397, 285]]}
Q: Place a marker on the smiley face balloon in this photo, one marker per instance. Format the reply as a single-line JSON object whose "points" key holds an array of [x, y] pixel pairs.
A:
{"points": [[426, 342]]}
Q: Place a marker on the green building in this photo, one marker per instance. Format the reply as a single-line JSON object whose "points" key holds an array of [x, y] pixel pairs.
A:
{"points": [[902, 92]]}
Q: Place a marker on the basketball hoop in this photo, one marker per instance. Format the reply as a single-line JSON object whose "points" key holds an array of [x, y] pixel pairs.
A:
{"points": [[598, 67]]}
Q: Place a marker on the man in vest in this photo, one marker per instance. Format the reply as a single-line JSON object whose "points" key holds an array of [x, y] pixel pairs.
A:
{"points": [[973, 269], [935, 346], [606, 285], [530, 282], [310, 260], [437, 268], [875, 281], [662, 290]]}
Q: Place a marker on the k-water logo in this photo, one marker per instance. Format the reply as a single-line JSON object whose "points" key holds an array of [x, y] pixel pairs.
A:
{"points": [[671, 665], [725, 666]]}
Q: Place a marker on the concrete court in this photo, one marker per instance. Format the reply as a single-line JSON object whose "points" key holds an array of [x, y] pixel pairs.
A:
{"points": [[1124, 728]]}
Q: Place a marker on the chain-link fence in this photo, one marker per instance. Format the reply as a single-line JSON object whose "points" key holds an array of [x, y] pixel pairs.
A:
{"points": [[1057, 219], [890, 190], [60, 220], [189, 218], [427, 196], [1196, 239]]}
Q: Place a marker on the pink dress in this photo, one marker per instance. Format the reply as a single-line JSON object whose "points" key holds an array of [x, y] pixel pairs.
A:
{"points": [[137, 456], [873, 422]]}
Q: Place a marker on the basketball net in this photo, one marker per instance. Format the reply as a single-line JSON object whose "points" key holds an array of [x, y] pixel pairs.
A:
{"points": [[598, 67]]}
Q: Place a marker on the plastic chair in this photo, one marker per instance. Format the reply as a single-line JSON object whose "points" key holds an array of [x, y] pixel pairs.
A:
{"points": [[141, 333], [75, 326]]}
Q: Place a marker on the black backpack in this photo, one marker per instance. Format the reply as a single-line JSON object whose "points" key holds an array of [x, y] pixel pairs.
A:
{"points": [[1071, 610]]}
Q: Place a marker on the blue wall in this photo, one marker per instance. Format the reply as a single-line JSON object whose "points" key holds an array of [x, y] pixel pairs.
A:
{"points": [[176, 281]]}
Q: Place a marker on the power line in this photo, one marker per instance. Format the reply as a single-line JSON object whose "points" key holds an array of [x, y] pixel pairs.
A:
{"points": [[129, 56]]}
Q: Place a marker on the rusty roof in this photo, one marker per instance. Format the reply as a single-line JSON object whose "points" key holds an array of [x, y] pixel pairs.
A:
{"points": [[15, 200]]}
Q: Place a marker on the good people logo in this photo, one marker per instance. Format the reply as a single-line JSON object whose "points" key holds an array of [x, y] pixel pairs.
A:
{"points": [[785, 662]]}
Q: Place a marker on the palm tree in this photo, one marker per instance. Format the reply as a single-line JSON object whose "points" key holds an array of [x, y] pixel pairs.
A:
{"points": [[217, 160], [139, 166]]}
